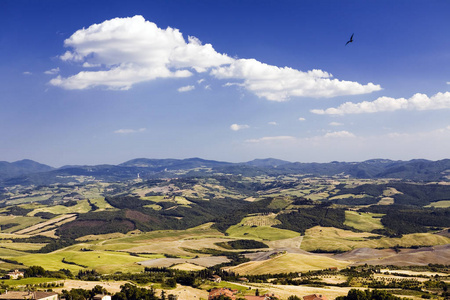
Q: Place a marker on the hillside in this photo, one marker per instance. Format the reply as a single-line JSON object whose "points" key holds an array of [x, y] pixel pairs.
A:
{"points": [[24, 172]]}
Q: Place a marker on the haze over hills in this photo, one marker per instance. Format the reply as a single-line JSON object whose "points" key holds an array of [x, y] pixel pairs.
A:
{"points": [[30, 172], [21, 167]]}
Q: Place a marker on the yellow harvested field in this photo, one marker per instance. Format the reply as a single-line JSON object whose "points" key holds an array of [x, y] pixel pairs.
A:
{"points": [[330, 239], [260, 220], [440, 204], [110, 286], [174, 246], [187, 267], [93, 237], [386, 201], [55, 221], [294, 242], [288, 262]]}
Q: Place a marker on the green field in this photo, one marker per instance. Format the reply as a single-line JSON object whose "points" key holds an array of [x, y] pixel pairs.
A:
{"points": [[21, 246], [81, 207], [363, 221], [261, 232], [29, 281], [102, 261], [23, 222], [101, 203]]}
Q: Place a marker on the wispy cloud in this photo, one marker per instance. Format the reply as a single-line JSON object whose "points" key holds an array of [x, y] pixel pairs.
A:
{"points": [[133, 50], [382, 104], [52, 71], [272, 139], [237, 127], [27, 73], [347, 146], [129, 131], [273, 123], [339, 134], [186, 88], [301, 119], [335, 124]]}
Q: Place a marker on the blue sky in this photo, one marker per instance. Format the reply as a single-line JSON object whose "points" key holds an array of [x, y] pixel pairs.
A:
{"points": [[90, 82]]}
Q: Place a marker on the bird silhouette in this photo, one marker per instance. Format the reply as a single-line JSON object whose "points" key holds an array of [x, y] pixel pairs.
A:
{"points": [[350, 40]]}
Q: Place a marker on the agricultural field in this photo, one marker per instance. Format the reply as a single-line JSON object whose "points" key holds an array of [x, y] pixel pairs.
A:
{"points": [[288, 262], [260, 232], [329, 239], [363, 221]]}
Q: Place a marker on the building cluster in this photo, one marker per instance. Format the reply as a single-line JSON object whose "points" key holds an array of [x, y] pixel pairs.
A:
{"points": [[230, 293]]}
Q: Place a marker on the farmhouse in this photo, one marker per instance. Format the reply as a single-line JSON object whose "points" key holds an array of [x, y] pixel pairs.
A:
{"points": [[264, 297], [15, 275], [315, 297], [29, 296], [222, 291]]}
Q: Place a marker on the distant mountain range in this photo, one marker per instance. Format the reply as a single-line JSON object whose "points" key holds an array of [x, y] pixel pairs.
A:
{"points": [[21, 167], [30, 172]]}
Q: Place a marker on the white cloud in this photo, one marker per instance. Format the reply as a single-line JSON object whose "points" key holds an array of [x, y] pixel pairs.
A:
{"points": [[301, 119], [416, 102], [52, 71], [448, 82], [279, 84], [335, 124], [128, 131], [273, 123], [186, 88], [339, 134], [236, 127], [272, 139], [27, 73], [133, 50]]}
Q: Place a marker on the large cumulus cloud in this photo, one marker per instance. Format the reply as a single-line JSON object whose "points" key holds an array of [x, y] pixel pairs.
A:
{"points": [[121, 52]]}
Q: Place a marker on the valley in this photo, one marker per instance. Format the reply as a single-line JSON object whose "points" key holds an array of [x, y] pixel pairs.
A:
{"points": [[283, 230]]}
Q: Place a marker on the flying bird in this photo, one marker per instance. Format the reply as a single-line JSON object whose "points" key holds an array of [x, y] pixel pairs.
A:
{"points": [[350, 40]]}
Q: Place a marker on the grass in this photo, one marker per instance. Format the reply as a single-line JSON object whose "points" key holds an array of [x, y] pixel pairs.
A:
{"points": [[279, 203], [9, 266], [334, 239], [345, 196], [260, 220], [101, 203], [261, 232], [82, 207], [154, 206], [6, 252], [29, 280], [226, 284], [289, 262], [187, 267], [440, 204], [363, 221], [23, 222], [386, 201], [22, 246], [101, 261]]}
